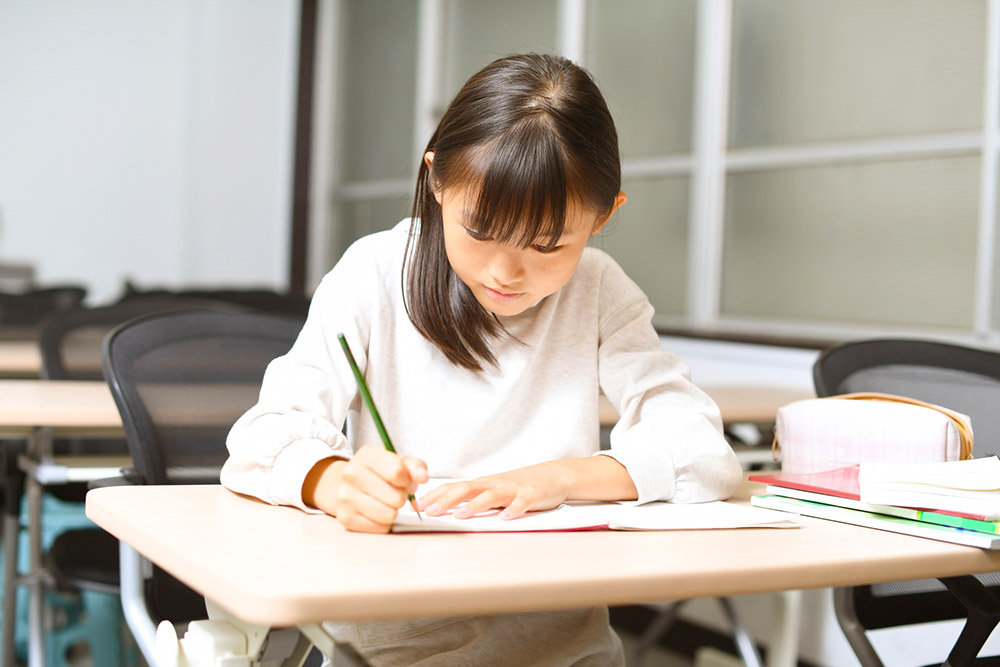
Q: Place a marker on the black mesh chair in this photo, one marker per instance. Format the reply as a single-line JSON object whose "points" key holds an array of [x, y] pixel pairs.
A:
{"points": [[28, 309], [84, 562], [961, 378], [180, 381], [71, 341], [262, 299]]}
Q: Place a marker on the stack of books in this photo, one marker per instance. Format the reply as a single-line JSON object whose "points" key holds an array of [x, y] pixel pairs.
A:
{"points": [[955, 501]]}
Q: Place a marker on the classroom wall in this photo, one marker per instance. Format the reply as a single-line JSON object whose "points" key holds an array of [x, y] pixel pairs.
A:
{"points": [[147, 141], [152, 141]]}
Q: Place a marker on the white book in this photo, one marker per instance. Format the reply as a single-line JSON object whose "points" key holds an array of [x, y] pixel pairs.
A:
{"points": [[577, 515], [971, 486], [893, 524]]}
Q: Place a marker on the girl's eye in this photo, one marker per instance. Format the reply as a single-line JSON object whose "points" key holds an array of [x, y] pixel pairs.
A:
{"points": [[476, 235], [546, 249]]}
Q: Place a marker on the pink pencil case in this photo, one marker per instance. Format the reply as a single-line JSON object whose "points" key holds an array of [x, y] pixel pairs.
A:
{"points": [[825, 433]]}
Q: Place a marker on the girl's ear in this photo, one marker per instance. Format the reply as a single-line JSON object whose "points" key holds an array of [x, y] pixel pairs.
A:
{"points": [[429, 161], [619, 200]]}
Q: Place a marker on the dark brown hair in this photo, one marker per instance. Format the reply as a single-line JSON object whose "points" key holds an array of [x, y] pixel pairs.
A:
{"points": [[531, 133]]}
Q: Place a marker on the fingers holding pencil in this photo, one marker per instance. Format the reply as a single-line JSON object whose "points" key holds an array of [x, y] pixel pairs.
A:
{"points": [[365, 492], [418, 472], [369, 402]]}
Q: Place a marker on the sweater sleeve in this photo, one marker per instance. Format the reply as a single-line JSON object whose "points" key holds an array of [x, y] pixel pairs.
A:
{"points": [[669, 435], [306, 395]]}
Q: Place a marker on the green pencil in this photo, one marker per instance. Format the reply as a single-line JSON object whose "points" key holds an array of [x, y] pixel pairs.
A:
{"points": [[367, 398]]}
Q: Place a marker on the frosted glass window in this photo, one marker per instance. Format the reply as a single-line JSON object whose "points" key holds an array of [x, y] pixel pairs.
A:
{"points": [[994, 287], [872, 244], [359, 218], [813, 71], [882, 244], [375, 102], [642, 54], [480, 31], [648, 237]]}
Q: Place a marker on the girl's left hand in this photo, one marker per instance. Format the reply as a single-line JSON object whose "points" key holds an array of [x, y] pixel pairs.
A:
{"points": [[537, 487]]}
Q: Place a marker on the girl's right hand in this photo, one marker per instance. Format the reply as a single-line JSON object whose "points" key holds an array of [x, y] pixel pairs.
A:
{"points": [[365, 491]]}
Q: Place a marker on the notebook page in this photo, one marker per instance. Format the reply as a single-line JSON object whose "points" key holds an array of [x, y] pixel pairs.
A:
{"points": [[577, 515]]}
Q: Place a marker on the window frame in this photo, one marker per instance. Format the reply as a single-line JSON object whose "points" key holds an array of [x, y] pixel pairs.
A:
{"points": [[708, 165]]}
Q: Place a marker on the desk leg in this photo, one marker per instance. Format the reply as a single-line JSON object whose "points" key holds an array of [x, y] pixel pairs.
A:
{"points": [[40, 439], [288, 647], [133, 596], [11, 533], [14, 491], [342, 654], [160, 645], [783, 650], [36, 592]]}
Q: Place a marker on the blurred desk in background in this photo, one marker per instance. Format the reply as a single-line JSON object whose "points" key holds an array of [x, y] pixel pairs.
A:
{"points": [[19, 358], [737, 403], [32, 413], [747, 414]]}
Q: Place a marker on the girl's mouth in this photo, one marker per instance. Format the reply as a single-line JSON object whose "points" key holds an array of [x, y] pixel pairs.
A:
{"points": [[502, 297]]}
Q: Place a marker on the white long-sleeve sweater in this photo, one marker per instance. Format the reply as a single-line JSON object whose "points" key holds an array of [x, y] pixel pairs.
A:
{"points": [[540, 403]]}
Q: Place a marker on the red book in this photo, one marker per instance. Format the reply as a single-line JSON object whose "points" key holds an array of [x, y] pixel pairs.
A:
{"points": [[840, 482]]}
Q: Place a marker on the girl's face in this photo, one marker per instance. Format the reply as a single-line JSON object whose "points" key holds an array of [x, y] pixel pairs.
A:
{"points": [[506, 279]]}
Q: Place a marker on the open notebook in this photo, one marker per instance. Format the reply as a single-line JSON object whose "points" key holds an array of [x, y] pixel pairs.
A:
{"points": [[578, 515]]}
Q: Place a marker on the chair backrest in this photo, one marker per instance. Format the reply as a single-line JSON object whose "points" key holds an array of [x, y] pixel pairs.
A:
{"points": [[965, 379], [71, 340], [181, 380], [263, 299], [30, 308]]}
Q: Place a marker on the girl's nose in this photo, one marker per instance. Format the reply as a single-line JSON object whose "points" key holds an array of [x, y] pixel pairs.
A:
{"points": [[506, 266]]}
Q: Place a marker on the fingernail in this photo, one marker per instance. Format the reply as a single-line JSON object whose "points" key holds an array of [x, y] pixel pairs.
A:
{"points": [[433, 509], [462, 513], [506, 514]]}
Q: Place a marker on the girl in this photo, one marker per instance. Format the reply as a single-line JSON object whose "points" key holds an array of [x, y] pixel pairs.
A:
{"points": [[486, 330]]}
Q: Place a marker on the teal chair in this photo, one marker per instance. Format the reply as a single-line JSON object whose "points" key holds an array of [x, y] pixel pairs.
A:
{"points": [[90, 618]]}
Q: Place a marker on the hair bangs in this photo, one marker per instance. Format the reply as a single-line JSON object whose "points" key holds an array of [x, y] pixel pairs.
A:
{"points": [[523, 188]]}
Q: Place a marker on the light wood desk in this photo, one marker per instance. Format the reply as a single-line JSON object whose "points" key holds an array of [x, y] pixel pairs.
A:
{"points": [[20, 358], [32, 412], [70, 408], [278, 566], [739, 403]]}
